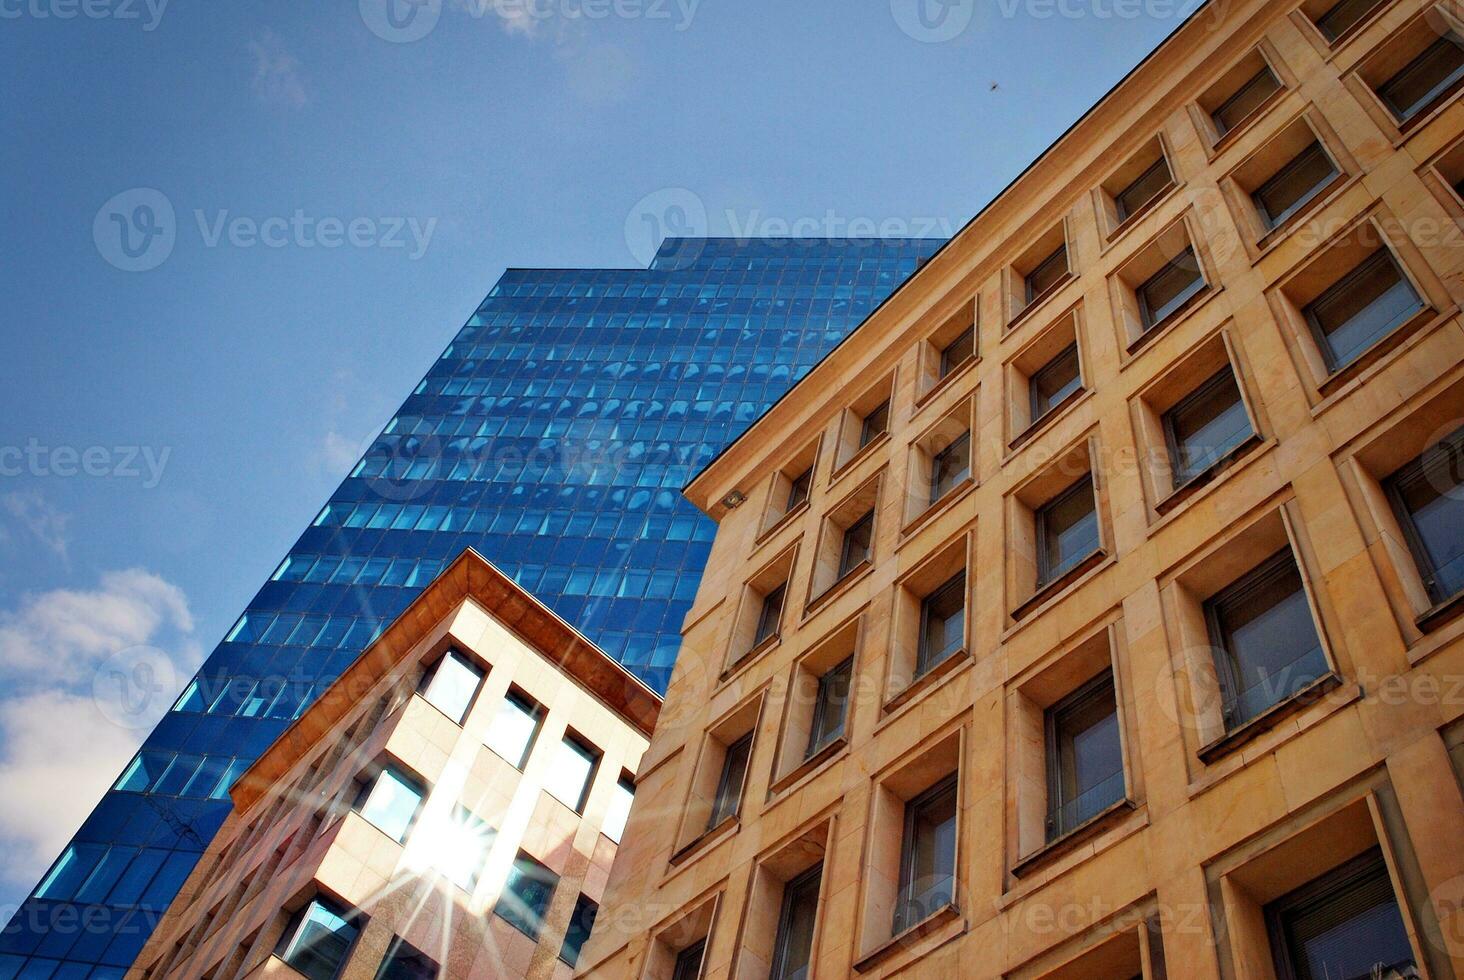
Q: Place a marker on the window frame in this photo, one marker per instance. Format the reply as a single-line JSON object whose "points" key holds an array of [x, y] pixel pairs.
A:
{"points": [[1333, 36], [1124, 210], [820, 734], [367, 784], [286, 946], [1149, 318], [948, 364], [1037, 411], [1046, 574], [869, 430], [927, 660], [1172, 444], [430, 676], [1059, 764], [593, 755], [1337, 289], [727, 802], [770, 620], [800, 489], [537, 713], [1224, 129], [783, 937], [689, 961], [1314, 148], [941, 482], [1059, 253], [846, 567], [1451, 84], [1418, 468], [575, 916], [903, 894], [520, 860]]}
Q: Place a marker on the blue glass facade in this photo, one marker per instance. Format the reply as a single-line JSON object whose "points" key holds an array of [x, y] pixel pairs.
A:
{"points": [[553, 435]]}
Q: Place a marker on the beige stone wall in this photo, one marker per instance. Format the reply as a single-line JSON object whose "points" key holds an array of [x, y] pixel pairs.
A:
{"points": [[1215, 825]]}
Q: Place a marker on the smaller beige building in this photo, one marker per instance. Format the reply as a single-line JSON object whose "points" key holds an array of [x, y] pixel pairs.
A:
{"points": [[450, 807]]}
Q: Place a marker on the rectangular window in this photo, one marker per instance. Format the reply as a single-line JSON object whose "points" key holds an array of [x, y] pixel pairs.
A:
{"points": [[1266, 644], [958, 351], [770, 616], [729, 785], [1428, 498], [568, 779], [689, 961], [1168, 290], [581, 924], [1360, 309], [1205, 425], [1247, 99], [1145, 187], [452, 685], [1067, 531], [1054, 381], [1341, 18], [928, 855], [793, 947], [1047, 273], [875, 423], [1435, 73], [526, 895], [950, 466], [798, 490], [390, 802], [514, 728], [461, 848], [830, 706], [319, 939], [405, 963], [619, 810], [942, 623], [1084, 757], [855, 548], [1344, 924], [1292, 187]]}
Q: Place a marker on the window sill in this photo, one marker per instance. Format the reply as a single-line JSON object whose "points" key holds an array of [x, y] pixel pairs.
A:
{"points": [[1441, 613], [941, 504], [838, 588], [943, 384], [861, 454], [1206, 476], [787, 518], [808, 766], [1145, 339], [1060, 583], [931, 678], [1072, 839], [1045, 420], [735, 667], [1268, 719], [935, 920], [1029, 311], [704, 840]]}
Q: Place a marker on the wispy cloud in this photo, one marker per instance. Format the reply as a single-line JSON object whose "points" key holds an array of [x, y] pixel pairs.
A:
{"points": [[41, 520], [278, 77]]}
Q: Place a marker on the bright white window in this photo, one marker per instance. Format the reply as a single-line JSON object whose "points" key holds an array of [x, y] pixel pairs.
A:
{"points": [[569, 777], [619, 812], [452, 685], [512, 733]]}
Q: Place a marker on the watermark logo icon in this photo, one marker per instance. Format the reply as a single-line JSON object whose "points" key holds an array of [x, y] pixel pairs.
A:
{"points": [[933, 21], [400, 21], [136, 230], [673, 212], [134, 687]]}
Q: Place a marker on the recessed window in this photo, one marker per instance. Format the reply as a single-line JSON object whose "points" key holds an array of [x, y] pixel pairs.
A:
{"points": [[958, 351], [1205, 426], [830, 707], [798, 490], [452, 685], [875, 423], [1067, 531], [1294, 186], [854, 550], [514, 728], [460, 849], [1360, 309], [526, 895], [1247, 99], [1344, 924], [1143, 189], [1047, 273], [942, 623], [689, 961], [770, 616], [581, 924], [569, 777], [928, 855], [1428, 498], [1342, 17], [1084, 757], [1434, 73], [1055, 381], [619, 810], [950, 466], [729, 784], [793, 948], [319, 939], [1266, 644], [389, 802], [1169, 289], [405, 963]]}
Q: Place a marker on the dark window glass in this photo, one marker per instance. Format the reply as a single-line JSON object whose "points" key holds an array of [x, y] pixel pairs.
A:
{"points": [[830, 706], [1167, 290], [689, 962], [1289, 189], [319, 939], [1054, 381], [1084, 757], [1205, 425], [1257, 89], [855, 548], [798, 489], [770, 615], [1361, 308], [1145, 188], [928, 856], [580, 927], [1067, 531], [405, 963], [1345, 924], [1047, 273], [1267, 645], [875, 423], [950, 466], [1341, 18], [1436, 72], [526, 895], [958, 351], [729, 785], [1428, 496], [942, 623], [794, 944]]}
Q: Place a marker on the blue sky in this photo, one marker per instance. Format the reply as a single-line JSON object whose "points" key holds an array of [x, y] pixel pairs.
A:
{"points": [[342, 197]]}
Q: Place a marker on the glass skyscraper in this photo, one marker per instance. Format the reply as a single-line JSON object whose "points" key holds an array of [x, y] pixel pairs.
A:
{"points": [[553, 435]]}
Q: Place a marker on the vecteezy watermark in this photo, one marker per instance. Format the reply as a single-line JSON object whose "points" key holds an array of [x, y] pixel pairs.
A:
{"points": [[405, 21], [933, 21], [400, 21], [137, 230], [120, 462], [673, 212], [149, 12], [134, 687], [1174, 10]]}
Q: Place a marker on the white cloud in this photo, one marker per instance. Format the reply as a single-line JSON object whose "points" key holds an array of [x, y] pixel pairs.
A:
{"points": [[42, 521], [277, 73]]}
